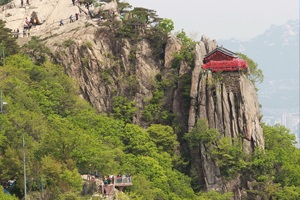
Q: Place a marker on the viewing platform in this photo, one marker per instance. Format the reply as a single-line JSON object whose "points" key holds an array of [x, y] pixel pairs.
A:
{"points": [[107, 185]]}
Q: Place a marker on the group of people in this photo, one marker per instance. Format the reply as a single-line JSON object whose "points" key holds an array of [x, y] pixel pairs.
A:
{"points": [[16, 33], [22, 2], [28, 24], [110, 179], [61, 22]]}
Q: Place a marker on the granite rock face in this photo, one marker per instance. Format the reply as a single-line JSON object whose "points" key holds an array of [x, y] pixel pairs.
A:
{"points": [[229, 102]]}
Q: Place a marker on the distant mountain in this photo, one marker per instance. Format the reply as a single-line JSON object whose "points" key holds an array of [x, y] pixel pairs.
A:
{"points": [[277, 53]]}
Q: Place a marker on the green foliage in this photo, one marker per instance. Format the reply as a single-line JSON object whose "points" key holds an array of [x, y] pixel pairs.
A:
{"points": [[226, 152], [4, 196], [3, 2], [143, 187], [68, 43], [137, 141], [184, 88], [8, 44], [286, 157], [229, 156], [123, 109], [166, 25], [163, 137], [123, 7], [156, 110], [256, 74], [143, 16], [213, 195], [202, 134], [276, 168], [157, 37], [37, 50], [58, 177], [187, 51]]}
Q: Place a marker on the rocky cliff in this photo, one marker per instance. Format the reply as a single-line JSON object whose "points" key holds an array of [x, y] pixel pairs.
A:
{"points": [[105, 65], [228, 101]]}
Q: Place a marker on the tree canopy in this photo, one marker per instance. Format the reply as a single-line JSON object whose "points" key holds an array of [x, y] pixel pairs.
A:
{"points": [[8, 44]]}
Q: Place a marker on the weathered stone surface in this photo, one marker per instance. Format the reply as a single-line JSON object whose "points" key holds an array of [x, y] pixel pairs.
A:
{"points": [[199, 55], [212, 175], [219, 110], [234, 124], [210, 102], [226, 113], [250, 106], [209, 44], [173, 46], [229, 102]]}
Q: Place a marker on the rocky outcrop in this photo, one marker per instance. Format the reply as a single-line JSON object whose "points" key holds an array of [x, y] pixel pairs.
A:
{"points": [[104, 66], [229, 102], [104, 69]]}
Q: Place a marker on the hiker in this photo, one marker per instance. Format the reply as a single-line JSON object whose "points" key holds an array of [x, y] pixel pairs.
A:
{"points": [[31, 21], [76, 16], [24, 32], [22, 3], [61, 23], [27, 1], [17, 33], [36, 21], [73, 1], [96, 174], [27, 21], [71, 18]]}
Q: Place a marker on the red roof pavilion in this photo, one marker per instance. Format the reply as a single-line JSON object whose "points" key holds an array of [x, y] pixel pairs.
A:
{"points": [[222, 59]]}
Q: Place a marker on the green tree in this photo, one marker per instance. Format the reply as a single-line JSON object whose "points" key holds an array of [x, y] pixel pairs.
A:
{"points": [[8, 44], [202, 134], [187, 51], [123, 109], [164, 137], [256, 74], [143, 16], [213, 195], [229, 156], [4, 196], [280, 143], [166, 25], [276, 168]]}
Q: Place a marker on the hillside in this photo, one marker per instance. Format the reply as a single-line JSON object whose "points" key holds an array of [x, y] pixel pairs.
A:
{"points": [[123, 95]]}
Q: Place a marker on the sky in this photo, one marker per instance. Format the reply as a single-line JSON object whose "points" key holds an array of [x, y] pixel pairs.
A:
{"points": [[223, 19]]}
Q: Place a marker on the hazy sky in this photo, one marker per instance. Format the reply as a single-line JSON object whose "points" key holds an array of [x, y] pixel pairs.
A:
{"points": [[224, 19]]}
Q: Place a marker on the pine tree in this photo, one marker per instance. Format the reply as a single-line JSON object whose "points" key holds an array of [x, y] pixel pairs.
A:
{"points": [[8, 44]]}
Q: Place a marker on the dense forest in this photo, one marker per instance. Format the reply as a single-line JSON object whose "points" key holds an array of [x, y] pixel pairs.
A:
{"points": [[65, 137]]}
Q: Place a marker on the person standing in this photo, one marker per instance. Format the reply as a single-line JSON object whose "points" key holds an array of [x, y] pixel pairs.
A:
{"points": [[71, 18], [17, 33]]}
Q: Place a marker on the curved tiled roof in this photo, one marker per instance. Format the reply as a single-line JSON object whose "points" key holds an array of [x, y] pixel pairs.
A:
{"points": [[222, 50]]}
